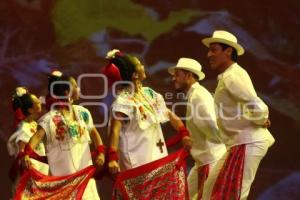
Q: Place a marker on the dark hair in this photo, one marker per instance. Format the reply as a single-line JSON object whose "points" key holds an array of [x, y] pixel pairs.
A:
{"points": [[126, 66], [59, 89], [234, 52], [24, 103]]}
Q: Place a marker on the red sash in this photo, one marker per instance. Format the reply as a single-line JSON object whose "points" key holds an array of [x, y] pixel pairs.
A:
{"points": [[228, 185]]}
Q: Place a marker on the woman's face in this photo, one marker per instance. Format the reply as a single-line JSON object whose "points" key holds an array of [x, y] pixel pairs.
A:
{"points": [[75, 89], [139, 69], [36, 108]]}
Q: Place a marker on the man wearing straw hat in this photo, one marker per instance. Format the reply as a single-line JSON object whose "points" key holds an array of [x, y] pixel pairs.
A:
{"points": [[207, 147], [242, 118]]}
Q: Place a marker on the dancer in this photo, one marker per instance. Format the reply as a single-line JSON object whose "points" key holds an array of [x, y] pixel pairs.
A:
{"points": [[68, 130], [136, 136], [241, 115], [207, 147], [27, 109]]}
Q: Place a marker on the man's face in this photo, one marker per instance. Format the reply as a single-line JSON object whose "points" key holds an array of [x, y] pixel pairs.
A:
{"points": [[217, 57], [180, 80]]}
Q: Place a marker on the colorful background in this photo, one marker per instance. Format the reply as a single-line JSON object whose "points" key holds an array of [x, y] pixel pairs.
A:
{"points": [[37, 36]]}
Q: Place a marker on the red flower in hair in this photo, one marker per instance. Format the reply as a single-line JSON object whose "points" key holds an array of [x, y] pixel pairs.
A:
{"points": [[112, 73], [19, 116]]}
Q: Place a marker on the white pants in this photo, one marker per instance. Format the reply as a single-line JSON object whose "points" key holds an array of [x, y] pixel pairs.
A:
{"points": [[192, 179], [253, 155]]}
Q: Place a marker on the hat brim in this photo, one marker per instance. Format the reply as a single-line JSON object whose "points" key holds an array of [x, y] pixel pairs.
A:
{"points": [[239, 49], [200, 74]]}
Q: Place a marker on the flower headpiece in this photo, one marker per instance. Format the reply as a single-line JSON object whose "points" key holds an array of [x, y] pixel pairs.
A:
{"points": [[20, 91], [56, 73], [112, 54]]}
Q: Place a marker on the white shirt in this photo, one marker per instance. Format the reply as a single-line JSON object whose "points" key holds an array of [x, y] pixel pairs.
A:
{"points": [[240, 112], [141, 132], [201, 122], [24, 132], [71, 153]]}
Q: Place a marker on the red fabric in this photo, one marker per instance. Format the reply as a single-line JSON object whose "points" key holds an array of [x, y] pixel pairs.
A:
{"points": [[183, 131], [112, 73], [16, 167], [173, 140], [34, 185], [162, 179], [19, 116], [203, 172], [30, 152], [229, 182], [112, 154], [100, 149]]}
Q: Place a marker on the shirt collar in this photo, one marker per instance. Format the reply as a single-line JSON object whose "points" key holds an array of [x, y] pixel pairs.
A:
{"points": [[195, 85], [220, 76]]}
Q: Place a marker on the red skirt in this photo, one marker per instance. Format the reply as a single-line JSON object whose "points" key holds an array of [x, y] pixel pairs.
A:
{"points": [[161, 179]]}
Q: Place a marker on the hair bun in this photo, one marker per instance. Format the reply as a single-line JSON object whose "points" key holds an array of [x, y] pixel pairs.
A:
{"points": [[20, 91]]}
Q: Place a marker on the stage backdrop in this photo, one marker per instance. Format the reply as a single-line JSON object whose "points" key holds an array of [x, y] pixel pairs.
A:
{"points": [[37, 36]]}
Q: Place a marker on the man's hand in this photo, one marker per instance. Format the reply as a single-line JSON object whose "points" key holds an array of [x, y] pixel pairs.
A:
{"points": [[187, 143]]}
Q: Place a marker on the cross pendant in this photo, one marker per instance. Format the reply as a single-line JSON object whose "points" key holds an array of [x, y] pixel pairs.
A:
{"points": [[160, 144]]}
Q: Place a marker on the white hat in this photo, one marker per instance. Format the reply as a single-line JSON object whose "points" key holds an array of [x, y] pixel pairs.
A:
{"points": [[189, 65], [225, 38]]}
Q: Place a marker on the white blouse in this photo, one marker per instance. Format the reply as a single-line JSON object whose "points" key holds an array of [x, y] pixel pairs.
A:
{"points": [[68, 145], [141, 137], [24, 132]]}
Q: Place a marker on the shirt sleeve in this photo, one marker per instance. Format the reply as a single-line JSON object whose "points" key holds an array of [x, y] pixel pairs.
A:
{"points": [[23, 136], [256, 111], [240, 86], [163, 111], [123, 106]]}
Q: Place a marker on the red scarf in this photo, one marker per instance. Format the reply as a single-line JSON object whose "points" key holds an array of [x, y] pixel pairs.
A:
{"points": [[228, 185], [161, 179], [34, 185]]}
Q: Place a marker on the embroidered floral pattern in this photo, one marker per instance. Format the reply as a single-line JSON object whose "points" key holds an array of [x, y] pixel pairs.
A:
{"points": [[85, 116], [60, 127]]}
